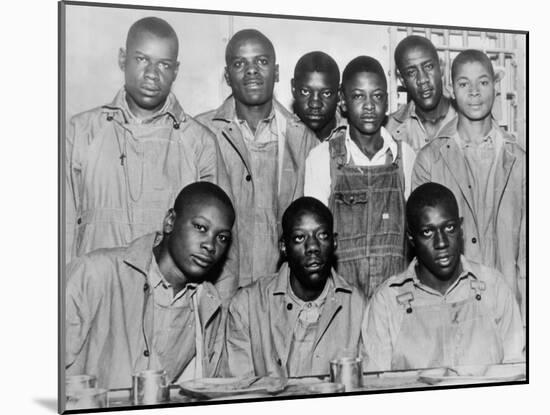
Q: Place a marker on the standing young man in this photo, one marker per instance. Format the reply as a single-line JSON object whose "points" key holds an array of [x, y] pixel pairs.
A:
{"points": [[263, 147], [419, 70]]}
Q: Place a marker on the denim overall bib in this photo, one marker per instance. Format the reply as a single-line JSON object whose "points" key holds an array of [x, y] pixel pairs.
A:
{"points": [[369, 216], [446, 334]]}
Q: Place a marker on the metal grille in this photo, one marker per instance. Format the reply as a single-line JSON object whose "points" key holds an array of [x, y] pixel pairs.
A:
{"points": [[506, 51]]}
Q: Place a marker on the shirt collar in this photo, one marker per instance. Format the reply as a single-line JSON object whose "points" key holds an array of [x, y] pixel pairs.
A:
{"points": [[171, 107], [282, 283], [410, 276], [388, 144], [494, 137]]}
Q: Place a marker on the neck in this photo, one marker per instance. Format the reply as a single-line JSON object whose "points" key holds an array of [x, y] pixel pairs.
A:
{"points": [[369, 144], [169, 269], [305, 293], [427, 278], [139, 112], [437, 113], [324, 132], [473, 131], [253, 114]]}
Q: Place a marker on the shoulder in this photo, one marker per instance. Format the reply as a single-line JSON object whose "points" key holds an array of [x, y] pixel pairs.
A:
{"points": [[386, 294], [492, 277], [319, 154], [89, 118], [193, 129], [94, 270], [206, 118], [256, 290]]}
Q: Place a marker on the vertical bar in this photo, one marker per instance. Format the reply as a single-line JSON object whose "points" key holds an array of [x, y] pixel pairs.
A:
{"points": [[392, 86]]}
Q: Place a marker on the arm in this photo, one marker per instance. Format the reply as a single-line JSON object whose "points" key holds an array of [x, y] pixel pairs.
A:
{"points": [[421, 172], [376, 335], [238, 344], [521, 262], [509, 325], [72, 190]]}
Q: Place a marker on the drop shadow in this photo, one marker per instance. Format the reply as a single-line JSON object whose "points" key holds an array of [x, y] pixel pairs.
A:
{"points": [[47, 403]]}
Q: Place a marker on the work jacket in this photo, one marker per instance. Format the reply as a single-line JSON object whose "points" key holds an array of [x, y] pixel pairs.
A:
{"points": [[122, 176], [295, 142], [442, 161], [405, 125], [259, 328], [109, 317]]}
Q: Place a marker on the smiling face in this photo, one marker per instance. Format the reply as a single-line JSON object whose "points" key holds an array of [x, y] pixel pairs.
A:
{"points": [[420, 73], [437, 238], [198, 238], [150, 67], [474, 90], [365, 100], [308, 245], [316, 98], [251, 71]]}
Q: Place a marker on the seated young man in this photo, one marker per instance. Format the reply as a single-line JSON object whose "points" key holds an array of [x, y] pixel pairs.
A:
{"points": [[315, 91], [149, 305], [363, 175], [485, 168], [419, 69], [294, 322], [444, 310]]}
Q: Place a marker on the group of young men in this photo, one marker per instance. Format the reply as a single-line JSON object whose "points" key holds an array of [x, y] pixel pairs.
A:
{"points": [[287, 237]]}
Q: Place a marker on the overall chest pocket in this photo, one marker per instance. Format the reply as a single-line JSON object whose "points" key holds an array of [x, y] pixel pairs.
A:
{"points": [[351, 213]]}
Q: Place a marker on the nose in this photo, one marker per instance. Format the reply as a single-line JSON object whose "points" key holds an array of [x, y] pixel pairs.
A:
{"points": [[422, 77], [441, 240], [209, 244], [474, 90], [151, 71], [251, 68], [368, 104], [315, 101], [312, 245]]}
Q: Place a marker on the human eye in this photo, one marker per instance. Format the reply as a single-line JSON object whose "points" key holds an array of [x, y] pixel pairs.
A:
{"points": [[450, 227], [379, 96], [238, 64], [462, 84], [356, 96], [140, 59], [484, 82], [224, 239], [263, 61], [298, 238], [429, 66], [327, 94], [427, 232], [304, 92], [165, 66], [323, 235], [200, 227], [410, 72]]}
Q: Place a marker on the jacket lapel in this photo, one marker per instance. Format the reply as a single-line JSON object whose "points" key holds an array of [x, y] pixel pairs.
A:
{"points": [[331, 308], [502, 174]]}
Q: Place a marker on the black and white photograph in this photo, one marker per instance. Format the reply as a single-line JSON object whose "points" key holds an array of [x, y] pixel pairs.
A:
{"points": [[259, 207]]}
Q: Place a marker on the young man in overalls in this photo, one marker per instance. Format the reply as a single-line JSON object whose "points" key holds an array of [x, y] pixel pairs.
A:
{"points": [[264, 148], [444, 310], [363, 175]]}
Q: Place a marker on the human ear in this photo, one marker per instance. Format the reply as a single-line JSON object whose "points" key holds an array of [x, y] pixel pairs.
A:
{"points": [[176, 70], [226, 76], [398, 74], [122, 59], [277, 72], [343, 106], [282, 248], [335, 241], [410, 237], [169, 220], [293, 87]]}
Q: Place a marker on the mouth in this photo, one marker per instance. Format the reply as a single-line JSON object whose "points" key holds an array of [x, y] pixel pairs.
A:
{"points": [[443, 260], [369, 118], [426, 93], [150, 89], [314, 265], [202, 261], [314, 117], [253, 83]]}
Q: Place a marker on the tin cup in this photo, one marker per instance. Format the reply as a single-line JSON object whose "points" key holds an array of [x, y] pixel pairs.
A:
{"points": [[77, 383], [150, 387], [348, 371], [87, 398]]}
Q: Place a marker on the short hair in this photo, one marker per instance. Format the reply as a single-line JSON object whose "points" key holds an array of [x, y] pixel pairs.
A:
{"points": [[155, 26], [411, 42], [429, 195], [363, 64], [469, 56], [200, 192], [247, 34], [303, 205], [317, 61]]}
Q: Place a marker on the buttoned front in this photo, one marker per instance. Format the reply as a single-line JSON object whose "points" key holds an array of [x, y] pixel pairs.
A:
{"points": [[442, 161], [111, 327], [261, 326], [408, 325], [252, 177]]}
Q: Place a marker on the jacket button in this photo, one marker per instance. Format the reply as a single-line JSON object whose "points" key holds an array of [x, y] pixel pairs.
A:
{"points": [[248, 177], [79, 221], [448, 146], [145, 287], [474, 240], [289, 306], [279, 362], [109, 118], [146, 353], [176, 126]]}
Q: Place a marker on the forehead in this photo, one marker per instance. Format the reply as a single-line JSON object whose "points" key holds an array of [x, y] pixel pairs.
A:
{"points": [[319, 80], [365, 80], [149, 43], [249, 46], [434, 215], [211, 209], [307, 219], [416, 54], [473, 69]]}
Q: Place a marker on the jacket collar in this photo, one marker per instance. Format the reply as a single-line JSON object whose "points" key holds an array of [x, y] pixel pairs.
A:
{"points": [[171, 108]]}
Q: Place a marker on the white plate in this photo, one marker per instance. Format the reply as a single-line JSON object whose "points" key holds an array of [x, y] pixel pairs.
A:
{"points": [[473, 374], [227, 387]]}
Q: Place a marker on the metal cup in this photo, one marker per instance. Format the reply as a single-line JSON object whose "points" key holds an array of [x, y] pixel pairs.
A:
{"points": [[77, 383], [150, 387], [348, 371], [87, 398]]}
